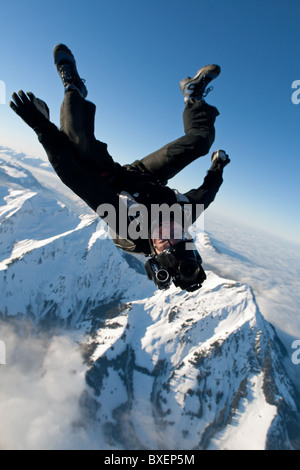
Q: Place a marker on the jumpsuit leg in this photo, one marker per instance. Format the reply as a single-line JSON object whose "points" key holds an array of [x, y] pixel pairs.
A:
{"points": [[165, 163], [77, 121]]}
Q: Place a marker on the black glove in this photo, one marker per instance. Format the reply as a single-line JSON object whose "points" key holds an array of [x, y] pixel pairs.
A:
{"points": [[31, 109], [220, 157]]}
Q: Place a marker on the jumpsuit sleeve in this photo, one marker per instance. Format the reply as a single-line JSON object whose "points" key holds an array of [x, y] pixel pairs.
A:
{"points": [[206, 193], [60, 152], [72, 170]]}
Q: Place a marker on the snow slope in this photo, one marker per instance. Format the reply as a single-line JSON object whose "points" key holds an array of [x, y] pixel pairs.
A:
{"points": [[163, 370]]}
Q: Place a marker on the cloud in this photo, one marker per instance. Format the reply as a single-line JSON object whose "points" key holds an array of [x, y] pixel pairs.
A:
{"points": [[269, 265], [40, 390]]}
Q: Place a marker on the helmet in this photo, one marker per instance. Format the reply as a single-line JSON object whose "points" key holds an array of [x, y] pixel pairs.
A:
{"points": [[181, 264]]}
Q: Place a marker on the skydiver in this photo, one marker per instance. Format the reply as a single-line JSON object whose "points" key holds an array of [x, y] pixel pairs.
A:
{"points": [[84, 165]]}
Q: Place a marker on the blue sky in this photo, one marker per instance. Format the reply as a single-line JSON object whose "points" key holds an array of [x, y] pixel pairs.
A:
{"points": [[134, 53]]}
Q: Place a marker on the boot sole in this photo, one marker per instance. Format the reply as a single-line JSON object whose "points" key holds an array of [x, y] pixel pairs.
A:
{"points": [[211, 71], [62, 53]]}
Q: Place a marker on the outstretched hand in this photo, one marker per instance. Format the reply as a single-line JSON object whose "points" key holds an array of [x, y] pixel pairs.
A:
{"points": [[31, 109]]}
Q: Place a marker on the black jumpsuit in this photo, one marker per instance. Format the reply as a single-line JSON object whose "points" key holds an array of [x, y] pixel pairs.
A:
{"points": [[85, 166]]}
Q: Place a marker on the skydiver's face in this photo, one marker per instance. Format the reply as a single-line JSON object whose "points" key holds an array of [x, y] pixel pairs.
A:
{"points": [[168, 234]]}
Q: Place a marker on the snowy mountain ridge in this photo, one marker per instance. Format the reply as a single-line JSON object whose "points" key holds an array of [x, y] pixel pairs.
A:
{"points": [[163, 370]]}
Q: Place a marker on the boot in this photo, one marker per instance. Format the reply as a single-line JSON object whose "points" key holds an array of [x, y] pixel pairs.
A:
{"points": [[194, 89], [66, 67]]}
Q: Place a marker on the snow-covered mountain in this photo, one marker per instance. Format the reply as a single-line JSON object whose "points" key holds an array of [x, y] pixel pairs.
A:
{"points": [[162, 370]]}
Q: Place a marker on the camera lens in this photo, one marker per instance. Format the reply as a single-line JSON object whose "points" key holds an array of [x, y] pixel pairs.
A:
{"points": [[162, 275], [189, 269]]}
